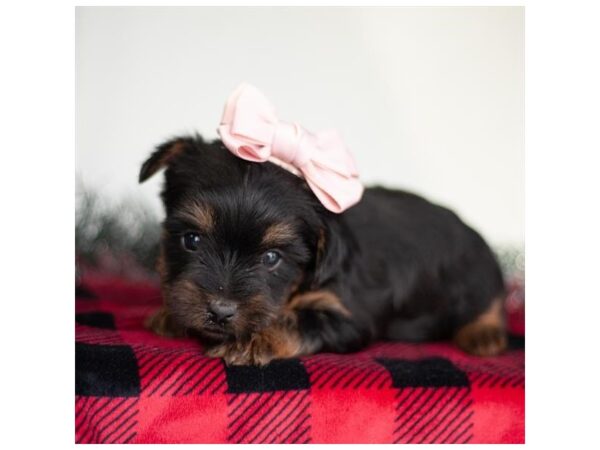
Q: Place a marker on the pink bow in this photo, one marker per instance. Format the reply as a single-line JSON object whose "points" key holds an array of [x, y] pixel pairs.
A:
{"points": [[251, 130]]}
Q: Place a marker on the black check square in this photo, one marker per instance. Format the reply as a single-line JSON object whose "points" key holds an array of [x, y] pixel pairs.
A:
{"points": [[427, 372], [279, 375], [96, 319], [106, 371]]}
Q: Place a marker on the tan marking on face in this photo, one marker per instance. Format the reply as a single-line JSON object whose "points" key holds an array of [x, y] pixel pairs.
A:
{"points": [[486, 335], [278, 234], [198, 213], [320, 300], [182, 298], [184, 290]]}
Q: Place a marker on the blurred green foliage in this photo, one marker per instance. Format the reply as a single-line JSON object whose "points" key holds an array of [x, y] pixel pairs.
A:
{"points": [[115, 234]]}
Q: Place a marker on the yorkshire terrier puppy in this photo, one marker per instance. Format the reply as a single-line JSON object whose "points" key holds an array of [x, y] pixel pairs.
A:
{"points": [[255, 267]]}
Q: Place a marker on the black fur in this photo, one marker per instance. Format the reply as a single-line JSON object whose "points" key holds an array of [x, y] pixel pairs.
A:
{"points": [[404, 268]]}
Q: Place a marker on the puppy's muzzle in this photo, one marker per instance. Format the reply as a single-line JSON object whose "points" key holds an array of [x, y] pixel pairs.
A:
{"points": [[221, 312]]}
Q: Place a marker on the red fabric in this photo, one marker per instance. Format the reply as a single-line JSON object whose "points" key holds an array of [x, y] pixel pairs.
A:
{"points": [[171, 393]]}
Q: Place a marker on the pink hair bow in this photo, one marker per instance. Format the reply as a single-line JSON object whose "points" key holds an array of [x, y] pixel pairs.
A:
{"points": [[251, 130]]}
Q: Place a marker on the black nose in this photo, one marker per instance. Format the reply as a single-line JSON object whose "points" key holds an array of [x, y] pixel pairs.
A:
{"points": [[221, 312]]}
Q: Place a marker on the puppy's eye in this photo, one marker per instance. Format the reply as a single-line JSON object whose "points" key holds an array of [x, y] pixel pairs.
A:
{"points": [[191, 241], [271, 259]]}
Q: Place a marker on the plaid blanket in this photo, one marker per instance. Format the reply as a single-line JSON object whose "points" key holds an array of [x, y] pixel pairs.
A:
{"points": [[135, 387]]}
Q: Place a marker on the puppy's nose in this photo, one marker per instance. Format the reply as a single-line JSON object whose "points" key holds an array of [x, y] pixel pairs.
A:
{"points": [[221, 312]]}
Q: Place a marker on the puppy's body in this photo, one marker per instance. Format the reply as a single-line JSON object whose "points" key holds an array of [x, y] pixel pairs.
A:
{"points": [[422, 273], [258, 269]]}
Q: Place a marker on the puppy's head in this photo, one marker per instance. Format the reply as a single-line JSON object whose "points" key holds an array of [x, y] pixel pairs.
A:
{"points": [[238, 239]]}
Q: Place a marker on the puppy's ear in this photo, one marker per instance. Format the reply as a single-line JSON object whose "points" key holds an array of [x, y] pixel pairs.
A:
{"points": [[163, 156], [332, 252]]}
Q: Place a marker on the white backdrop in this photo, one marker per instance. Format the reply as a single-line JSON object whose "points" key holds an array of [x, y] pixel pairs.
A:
{"points": [[428, 99]]}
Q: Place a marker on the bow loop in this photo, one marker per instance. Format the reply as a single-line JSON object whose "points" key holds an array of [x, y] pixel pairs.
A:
{"points": [[251, 130], [334, 155]]}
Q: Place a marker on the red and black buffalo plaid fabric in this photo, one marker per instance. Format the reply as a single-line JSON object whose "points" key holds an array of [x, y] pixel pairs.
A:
{"points": [[135, 387]]}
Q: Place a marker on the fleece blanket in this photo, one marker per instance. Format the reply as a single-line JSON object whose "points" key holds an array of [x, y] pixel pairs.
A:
{"points": [[135, 387]]}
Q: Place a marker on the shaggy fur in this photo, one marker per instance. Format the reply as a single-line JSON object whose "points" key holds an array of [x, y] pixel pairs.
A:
{"points": [[254, 266]]}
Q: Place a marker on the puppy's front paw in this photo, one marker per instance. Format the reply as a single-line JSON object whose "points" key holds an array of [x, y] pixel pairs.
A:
{"points": [[259, 350], [237, 354]]}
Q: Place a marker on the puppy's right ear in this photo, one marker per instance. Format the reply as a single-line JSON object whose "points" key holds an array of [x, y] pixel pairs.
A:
{"points": [[163, 156]]}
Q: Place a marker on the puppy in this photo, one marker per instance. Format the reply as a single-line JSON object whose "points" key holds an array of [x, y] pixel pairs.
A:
{"points": [[254, 266]]}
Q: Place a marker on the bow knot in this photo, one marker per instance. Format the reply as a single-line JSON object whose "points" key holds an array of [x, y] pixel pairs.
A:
{"points": [[251, 130], [289, 144]]}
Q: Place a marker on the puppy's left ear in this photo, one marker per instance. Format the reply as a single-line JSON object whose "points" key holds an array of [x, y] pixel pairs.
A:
{"points": [[163, 156], [332, 253]]}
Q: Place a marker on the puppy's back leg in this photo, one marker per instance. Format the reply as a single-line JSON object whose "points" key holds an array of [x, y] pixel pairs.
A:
{"points": [[486, 334]]}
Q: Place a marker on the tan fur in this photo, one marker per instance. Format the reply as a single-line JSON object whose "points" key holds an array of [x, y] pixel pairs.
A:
{"points": [[323, 300], [486, 335], [279, 233], [271, 343], [184, 289], [281, 339], [172, 152], [200, 214], [162, 324]]}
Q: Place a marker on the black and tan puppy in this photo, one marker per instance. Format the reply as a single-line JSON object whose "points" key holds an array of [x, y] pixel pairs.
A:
{"points": [[253, 264]]}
